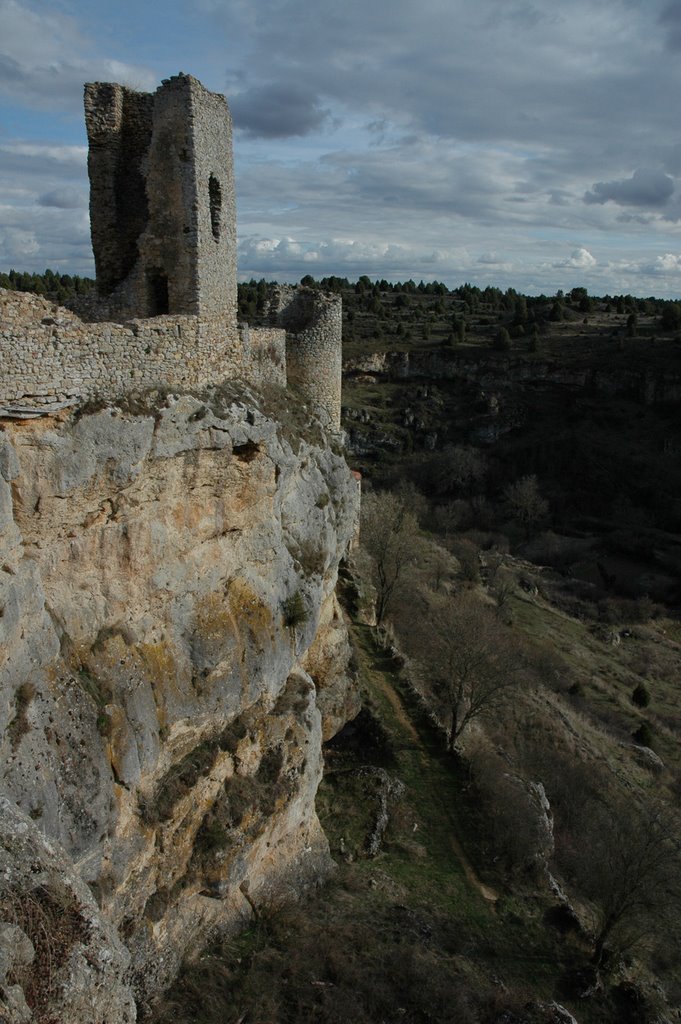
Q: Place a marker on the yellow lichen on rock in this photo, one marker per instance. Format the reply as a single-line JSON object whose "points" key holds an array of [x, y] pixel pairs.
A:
{"points": [[249, 608]]}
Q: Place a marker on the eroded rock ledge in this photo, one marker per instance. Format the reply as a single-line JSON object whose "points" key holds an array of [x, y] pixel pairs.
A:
{"points": [[171, 654]]}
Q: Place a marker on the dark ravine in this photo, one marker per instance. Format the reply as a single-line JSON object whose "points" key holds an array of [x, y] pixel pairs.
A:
{"points": [[495, 370]]}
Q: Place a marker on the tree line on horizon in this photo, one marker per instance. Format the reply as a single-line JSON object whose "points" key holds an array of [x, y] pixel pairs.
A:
{"points": [[252, 295], [50, 284]]}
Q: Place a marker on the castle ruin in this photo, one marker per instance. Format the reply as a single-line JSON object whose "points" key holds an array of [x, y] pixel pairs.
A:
{"points": [[162, 208], [163, 223]]}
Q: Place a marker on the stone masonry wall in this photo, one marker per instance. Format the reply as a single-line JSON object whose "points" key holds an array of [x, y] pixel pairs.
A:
{"points": [[49, 356], [215, 202], [162, 208], [119, 130], [314, 355]]}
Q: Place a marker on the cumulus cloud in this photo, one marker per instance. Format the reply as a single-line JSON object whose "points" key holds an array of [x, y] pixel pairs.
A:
{"points": [[269, 250], [658, 275], [580, 259], [559, 197], [289, 258], [667, 264], [418, 187], [646, 187], [43, 207], [420, 64], [277, 110], [453, 143], [637, 218]]}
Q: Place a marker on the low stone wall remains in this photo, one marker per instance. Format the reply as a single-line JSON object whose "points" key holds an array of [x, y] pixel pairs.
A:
{"points": [[48, 356]]}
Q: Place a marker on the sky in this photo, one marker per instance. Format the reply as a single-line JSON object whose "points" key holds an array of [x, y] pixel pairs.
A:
{"points": [[533, 145]]}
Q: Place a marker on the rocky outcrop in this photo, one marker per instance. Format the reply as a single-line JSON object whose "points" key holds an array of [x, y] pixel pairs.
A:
{"points": [[171, 656]]}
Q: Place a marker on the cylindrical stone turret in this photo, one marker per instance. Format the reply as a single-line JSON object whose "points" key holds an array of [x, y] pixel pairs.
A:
{"points": [[314, 347]]}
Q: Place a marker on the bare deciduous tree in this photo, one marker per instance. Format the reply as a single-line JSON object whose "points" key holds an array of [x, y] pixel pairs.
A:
{"points": [[628, 863], [525, 504], [390, 534], [469, 656], [460, 469]]}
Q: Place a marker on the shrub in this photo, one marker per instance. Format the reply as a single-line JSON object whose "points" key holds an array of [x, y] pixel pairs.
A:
{"points": [[643, 735], [310, 553], [645, 608], [510, 826], [103, 724], [52, 920], [88, 681], [19, 724], [641, 696], [177, 782], [469, 561], [294, 611], [211, 836]]}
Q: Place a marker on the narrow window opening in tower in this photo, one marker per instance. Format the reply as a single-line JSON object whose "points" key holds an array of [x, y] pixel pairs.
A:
{"points": [[215, 201], [158, 302]]}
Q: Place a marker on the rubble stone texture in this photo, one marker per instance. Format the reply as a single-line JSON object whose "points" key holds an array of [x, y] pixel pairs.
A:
{"points": [[314, 360], [162, 205]]}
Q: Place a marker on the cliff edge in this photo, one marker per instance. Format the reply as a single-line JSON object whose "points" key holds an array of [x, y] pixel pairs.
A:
{"points": [[172, 654]]}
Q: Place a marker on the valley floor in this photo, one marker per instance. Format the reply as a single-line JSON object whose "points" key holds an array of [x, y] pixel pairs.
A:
{"points": [[412, 933]]}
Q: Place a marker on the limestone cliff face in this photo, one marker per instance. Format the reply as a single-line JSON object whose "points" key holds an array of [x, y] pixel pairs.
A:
{"points": [[171, 654]]}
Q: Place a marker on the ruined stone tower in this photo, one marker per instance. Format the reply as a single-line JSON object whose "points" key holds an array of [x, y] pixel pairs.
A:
{"points": [[163, 223], [162, 205]]}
